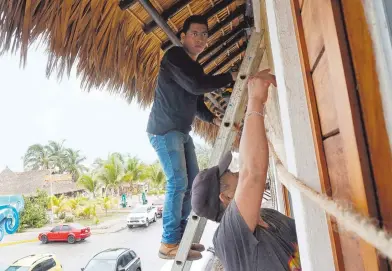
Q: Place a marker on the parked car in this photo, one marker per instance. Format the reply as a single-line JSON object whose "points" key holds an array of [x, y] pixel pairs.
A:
{"points": [[66, 233], [36, 262], [114, 259], [158, 204], [141, 215]]}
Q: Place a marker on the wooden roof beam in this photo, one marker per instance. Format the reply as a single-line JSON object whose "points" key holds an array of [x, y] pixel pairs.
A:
{"points": [[168, 13], [227, 60], [126, 4], [236, 13], [159, 20], [224, 48], [221, 41]]}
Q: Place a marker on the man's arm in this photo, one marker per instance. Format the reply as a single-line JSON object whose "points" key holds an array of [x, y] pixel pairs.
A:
{"points": [[202, 111], [254, 151], [189, 75]]}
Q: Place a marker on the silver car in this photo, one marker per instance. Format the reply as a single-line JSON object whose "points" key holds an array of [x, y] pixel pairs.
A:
{"points": [[114, 259]]}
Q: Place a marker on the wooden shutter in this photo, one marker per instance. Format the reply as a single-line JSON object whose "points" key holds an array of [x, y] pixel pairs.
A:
{"points": [[337, 124]]}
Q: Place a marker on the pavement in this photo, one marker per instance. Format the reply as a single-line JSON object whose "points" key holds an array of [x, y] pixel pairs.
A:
{"points": [[144, 241], [29, 236]]}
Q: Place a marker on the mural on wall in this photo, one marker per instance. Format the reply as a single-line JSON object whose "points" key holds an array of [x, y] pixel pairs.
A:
{"points": [[10, 208]]}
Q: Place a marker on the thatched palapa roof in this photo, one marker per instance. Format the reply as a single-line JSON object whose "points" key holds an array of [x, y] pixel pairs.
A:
{"points": [[27, 183], [120, 49]]}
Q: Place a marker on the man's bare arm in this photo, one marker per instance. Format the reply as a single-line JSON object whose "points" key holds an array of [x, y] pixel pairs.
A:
{"points": [[254, 151]]}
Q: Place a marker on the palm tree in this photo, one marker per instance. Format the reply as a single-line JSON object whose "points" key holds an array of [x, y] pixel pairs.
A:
{"points": [[106, 203], [75, 203], [72, 163], [155, 173], [134, 170], [59, 204], [112, 173], [56, 153], [89, 182], [37, 157]]}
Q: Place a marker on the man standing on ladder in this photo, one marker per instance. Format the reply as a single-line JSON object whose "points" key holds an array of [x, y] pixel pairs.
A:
{"points": [[178, 99], [247, 238]]}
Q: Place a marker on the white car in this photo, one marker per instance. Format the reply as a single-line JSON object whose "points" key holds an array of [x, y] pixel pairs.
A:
{"points": [[141, 215]]}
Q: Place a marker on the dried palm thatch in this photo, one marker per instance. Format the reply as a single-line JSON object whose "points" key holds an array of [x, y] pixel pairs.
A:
{"points": [[107, 46]]}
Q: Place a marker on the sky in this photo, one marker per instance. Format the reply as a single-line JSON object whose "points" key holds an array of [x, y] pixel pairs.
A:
{"points": [[34, 109]]}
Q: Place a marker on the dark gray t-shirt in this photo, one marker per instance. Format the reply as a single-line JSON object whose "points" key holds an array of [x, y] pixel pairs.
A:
{"points": [[267, 249]]}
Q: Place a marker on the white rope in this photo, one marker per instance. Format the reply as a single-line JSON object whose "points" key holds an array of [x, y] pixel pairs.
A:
{"points": [[349, 220]]}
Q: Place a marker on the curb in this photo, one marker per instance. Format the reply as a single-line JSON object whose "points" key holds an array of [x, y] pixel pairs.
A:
{"points": [[19, 242]]}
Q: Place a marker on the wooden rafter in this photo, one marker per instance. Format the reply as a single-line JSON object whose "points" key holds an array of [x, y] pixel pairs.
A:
{"points": [[236, 13], [235, 54], [167, 14], [224, 48], [222, 5], [126, 4], [210, 50]]}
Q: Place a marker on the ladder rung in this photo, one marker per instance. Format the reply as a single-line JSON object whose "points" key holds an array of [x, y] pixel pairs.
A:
{"points": [[234, 114]]}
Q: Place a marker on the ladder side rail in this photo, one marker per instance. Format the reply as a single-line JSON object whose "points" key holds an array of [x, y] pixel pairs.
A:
{"points": [[234, 114]]}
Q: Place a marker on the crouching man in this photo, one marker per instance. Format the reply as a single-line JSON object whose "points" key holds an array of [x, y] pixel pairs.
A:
{"points": [[248, 238]]}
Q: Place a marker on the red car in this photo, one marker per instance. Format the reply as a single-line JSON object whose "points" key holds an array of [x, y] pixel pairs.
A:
{"points": [[66, 232]]}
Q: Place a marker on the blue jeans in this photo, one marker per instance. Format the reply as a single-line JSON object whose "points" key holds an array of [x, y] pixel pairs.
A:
{"points": [[176, 153]]}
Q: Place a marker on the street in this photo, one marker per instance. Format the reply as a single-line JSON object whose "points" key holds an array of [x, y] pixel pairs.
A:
{"points": [[144, 241]]}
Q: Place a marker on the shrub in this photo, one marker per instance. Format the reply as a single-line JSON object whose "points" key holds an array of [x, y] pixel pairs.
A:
{"points": [[69, 219], [62, 216], [34, 212]]}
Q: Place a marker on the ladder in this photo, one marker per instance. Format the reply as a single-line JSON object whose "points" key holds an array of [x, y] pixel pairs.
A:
{"points": [[226, 136]]}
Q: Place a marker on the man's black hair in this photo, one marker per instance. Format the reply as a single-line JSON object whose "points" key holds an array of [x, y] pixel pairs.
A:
{"points": [[194, 19]]}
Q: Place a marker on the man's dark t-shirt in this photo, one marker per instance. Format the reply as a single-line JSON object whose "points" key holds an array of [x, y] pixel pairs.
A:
{"points": [[179, 94], [267, 249]]}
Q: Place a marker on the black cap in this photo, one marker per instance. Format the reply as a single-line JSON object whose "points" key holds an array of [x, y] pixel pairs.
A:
{"points": [[206, 189]]}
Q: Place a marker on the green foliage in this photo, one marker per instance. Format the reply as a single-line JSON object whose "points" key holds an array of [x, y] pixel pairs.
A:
{"points": [[74, 203], [111, 173], [203, 153], [55, 157], [156, 176], [62, 216], [106, 204], [96, 220], [60, 205], [69, 219], [89, 182], [34, 213]]}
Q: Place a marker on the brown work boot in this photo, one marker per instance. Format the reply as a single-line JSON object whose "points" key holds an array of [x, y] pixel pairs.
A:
{"points": [[169, 251], [198, 247]]}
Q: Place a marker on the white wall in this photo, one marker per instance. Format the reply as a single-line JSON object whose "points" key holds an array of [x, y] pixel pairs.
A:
{"points": [[312, 228]]}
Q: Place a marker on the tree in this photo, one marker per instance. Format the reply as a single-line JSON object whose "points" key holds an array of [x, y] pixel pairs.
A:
{"points": [[59, 204], [72, 163], [134, 170], [54, 157], [89, 182], [34, 211], [203, 153], [155, 174], [75, 203], [112, 172], [56, 153], [37, 157], [106, 204]]}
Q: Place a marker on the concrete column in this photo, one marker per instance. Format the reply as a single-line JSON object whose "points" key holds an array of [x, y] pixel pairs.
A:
{"points": [[311, 223]]}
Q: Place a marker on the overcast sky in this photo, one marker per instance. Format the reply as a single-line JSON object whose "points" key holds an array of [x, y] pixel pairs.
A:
{"points": [[34, 109]]}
